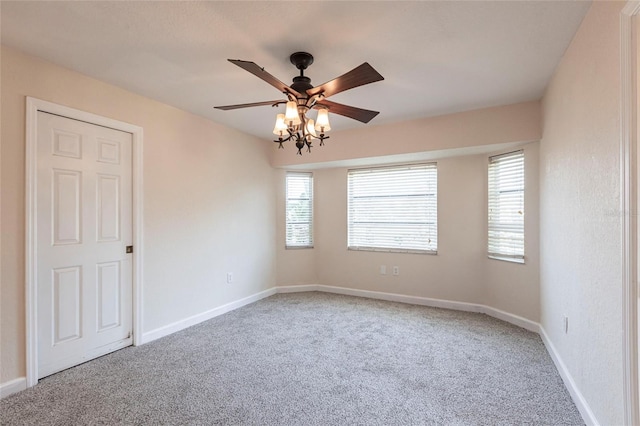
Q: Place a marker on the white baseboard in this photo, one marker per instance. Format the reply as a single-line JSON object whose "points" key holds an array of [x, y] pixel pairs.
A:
{"points": [[297, 288], [391, 297], [394, 297], [417, 300], [511, 318], [578, 399], [204, 316], [13, 386]]}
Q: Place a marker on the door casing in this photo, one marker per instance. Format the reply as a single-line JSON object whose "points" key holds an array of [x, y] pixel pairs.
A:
{"points": [[34, 105], [630, 171]]}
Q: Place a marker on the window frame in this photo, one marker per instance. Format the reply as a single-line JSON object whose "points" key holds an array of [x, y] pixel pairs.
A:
{"points": [[310, 243], [518, 255], [434, 208]]}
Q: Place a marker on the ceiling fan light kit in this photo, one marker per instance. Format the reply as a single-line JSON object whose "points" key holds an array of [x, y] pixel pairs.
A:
{"points": [[302, 96]]}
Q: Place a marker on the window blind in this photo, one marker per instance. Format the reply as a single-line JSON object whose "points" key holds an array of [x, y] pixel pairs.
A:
{"points": [[393, 208], [506, 207], [299, 210]]}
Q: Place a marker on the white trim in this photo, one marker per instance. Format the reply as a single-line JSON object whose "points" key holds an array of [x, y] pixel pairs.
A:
{"points": [[578, 399], [394, 297], [628, 200], [13, 386], [297, 288], [204, 316], [31, 250], [512, 319], [417, 300], [30, 245]]}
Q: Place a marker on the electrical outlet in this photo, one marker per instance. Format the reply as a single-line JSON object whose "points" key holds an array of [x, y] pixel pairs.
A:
{"points": [[229, 277], [396, 271], [566, 324], [383, 269]]}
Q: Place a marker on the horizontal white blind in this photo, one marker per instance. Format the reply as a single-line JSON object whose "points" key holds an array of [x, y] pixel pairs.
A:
{"points": [[393, 208], [506, 206], [299, 210]]}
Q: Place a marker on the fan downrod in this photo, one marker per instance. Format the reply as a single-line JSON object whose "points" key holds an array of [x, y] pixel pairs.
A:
{"points": [[301, 60]]}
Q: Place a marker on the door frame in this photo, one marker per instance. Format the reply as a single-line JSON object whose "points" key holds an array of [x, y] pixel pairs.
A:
{"points": [[630, 172], [33, 106]]}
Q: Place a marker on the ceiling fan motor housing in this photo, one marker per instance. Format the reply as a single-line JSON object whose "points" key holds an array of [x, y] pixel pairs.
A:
{"points": [[301, 84]]}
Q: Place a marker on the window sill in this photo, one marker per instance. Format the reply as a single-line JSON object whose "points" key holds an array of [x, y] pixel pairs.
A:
{"points": [[388, 250], [508, 259], [297, 247]]}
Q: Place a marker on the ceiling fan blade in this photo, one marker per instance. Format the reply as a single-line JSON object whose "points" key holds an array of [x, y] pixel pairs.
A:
{"points": [[364, 74], [362, 115], [259, 72], [254, 104]]}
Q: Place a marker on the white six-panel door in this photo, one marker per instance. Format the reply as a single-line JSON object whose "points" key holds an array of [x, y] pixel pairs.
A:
{"points": [[84, 224]]}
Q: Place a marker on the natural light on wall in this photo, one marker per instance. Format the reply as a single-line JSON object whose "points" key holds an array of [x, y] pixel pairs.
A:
{"points": [[393, 208], [299, 210], [506, 207]]}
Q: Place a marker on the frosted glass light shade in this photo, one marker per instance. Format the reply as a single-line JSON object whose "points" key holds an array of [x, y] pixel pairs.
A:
{"points": [[291, 116], [280, 128], [310, 128], [322, 123]]}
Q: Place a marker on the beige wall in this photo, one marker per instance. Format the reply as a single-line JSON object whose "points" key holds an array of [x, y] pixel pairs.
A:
{"points": [[209, 201], [580, 218], [461, 271], [487, 126], [452, 274]]}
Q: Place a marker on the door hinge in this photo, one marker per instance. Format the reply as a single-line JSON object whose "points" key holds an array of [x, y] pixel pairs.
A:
{"points": [[129, 249]]}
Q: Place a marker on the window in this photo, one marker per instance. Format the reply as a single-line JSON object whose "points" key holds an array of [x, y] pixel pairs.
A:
{"points": [[393, 209], [299, 210], [506, 207]]}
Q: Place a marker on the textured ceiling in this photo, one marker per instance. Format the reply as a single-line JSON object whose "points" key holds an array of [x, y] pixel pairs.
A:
{"points": [[437, 57]]}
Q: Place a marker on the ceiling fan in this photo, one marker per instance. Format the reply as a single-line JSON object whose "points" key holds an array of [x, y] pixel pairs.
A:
{"points": [[302, 96]]}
